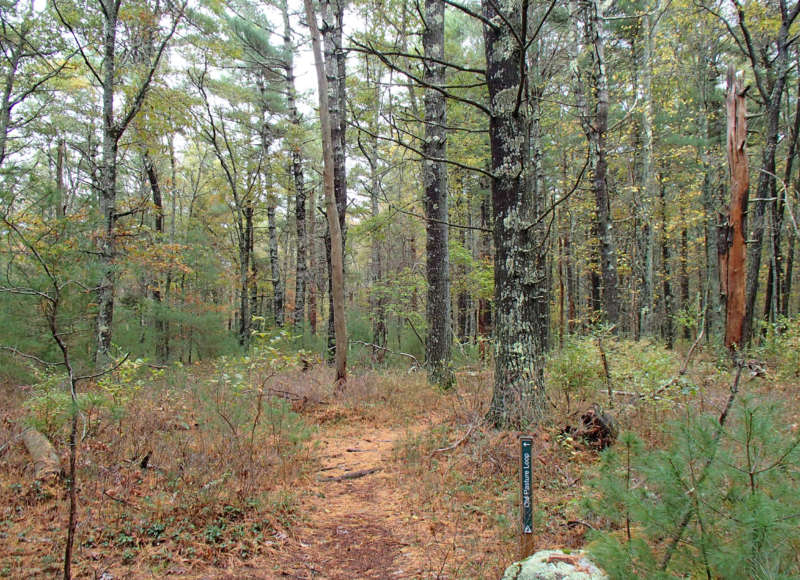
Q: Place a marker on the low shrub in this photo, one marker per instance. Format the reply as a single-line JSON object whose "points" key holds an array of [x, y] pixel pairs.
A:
{"points": [[716, 503]]}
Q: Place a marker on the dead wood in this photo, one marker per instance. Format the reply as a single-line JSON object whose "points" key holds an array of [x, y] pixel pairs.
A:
{"points": [[46, 462], [351, 475], [597, 428], [457, 443]]}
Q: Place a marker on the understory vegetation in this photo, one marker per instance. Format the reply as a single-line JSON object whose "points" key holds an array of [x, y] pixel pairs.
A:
{"points": [[188, 467]]}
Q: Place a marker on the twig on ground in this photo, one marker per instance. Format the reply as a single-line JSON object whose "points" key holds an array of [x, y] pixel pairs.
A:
{"points": [[119, 499], [383, 348], [459, 442]]}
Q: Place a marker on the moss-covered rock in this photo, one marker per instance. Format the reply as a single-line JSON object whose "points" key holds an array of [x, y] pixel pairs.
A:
{"points": [[555, 565]]}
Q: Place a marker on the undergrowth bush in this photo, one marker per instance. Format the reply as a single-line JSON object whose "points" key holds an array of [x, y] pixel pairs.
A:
{"points": [[641, 366], [49, 407], [576, 374], [781, 343], [716, 503], [575, 371], [245, 424]]}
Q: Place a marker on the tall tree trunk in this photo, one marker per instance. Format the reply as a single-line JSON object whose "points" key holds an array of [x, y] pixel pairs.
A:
{"points": [[377, 295], [337, 248], [645, 178], [765, 193], [769, 61], [684, 275], [312, 261], [252, 278], [113, 129], [594, 119], [301, 276], [274, 264], [787, 278], [518, 397], [733, 252], [332, 32], [439, 338], [776, 268], [245, 317], [10, 74], [714, 306], [155, 188], [666, 266], [106, 242]]}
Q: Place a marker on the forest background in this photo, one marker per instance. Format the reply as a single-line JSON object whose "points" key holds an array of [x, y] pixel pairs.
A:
{"points": [[515, 184]]}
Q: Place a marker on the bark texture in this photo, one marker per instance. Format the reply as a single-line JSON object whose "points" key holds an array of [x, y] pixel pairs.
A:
{"points": [[593, 104], [733, 250], [518, 398], [439, 339], [337, 266], [332, 32], [301, 276]]}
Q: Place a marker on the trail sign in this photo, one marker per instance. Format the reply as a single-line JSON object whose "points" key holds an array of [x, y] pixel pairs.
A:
{"points": [[527, 484]]}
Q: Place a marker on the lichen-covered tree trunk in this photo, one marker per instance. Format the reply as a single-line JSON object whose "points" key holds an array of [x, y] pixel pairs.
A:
{"points": [[313, 262], [106, 242], [608, 253], [252, 276], [518, 398], [774, 298], [786, 293], [765, 194], [376, 261], [244, 271], [712, 205], [439, 338], [684, 277], [666, 267]]}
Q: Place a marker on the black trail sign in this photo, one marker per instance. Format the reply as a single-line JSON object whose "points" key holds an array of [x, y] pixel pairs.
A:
{"points": [[527, 485]]}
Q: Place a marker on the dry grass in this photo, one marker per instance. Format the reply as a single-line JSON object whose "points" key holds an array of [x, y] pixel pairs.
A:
{"points": [[230, 488]]}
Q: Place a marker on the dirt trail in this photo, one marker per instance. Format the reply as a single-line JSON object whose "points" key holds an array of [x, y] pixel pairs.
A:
{"points": [[355, 524]]}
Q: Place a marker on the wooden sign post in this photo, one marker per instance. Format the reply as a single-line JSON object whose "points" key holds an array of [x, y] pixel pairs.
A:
{"points": [[526, 496]]}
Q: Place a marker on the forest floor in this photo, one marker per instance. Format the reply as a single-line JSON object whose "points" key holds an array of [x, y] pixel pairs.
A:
{"points": [[392, 479]]}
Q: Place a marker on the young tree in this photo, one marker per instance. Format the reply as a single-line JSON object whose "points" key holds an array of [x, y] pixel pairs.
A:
{"points": [[116, 121]]}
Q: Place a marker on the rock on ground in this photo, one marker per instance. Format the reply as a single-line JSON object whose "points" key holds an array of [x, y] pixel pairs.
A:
{"points": [[555, 565]]}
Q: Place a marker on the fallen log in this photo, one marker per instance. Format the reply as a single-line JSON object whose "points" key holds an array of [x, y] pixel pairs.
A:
{"points": [[46, 462]]}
